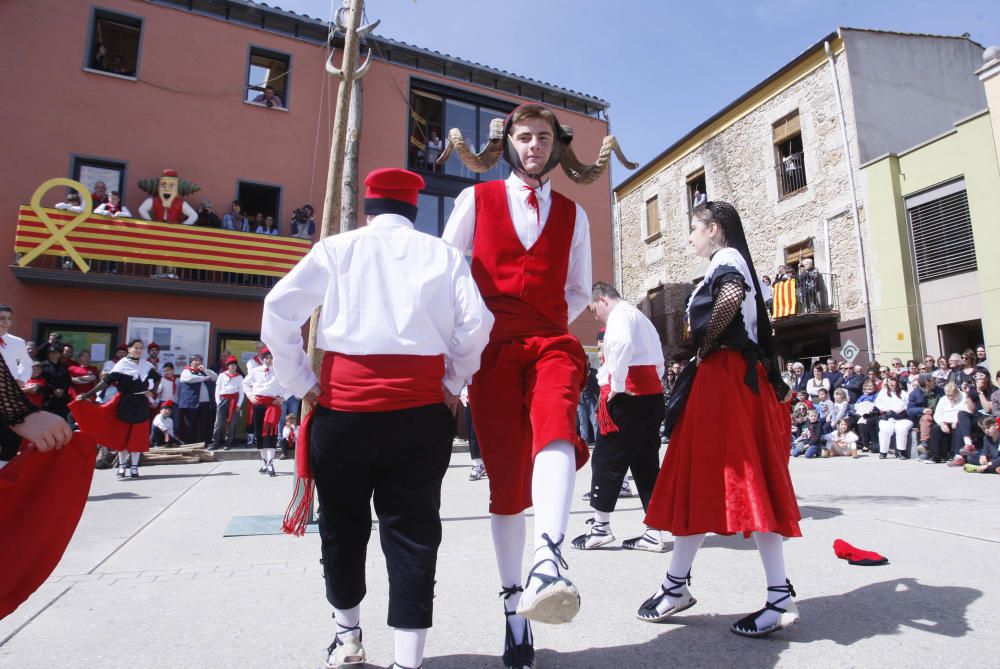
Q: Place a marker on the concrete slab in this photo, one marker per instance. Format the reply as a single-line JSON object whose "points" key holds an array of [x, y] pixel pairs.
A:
{"points": [[150, 580]]}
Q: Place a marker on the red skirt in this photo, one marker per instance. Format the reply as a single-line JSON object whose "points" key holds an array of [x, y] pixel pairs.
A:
{"points": [[102, 421], [726, 469]]}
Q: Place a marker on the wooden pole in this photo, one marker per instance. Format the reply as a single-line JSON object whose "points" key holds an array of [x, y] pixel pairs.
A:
{"points": [[349, 204]]}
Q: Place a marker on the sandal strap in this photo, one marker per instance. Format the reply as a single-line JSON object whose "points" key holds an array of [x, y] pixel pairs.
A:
{"points": [[556, 550], [789, 593], [508, 592]]}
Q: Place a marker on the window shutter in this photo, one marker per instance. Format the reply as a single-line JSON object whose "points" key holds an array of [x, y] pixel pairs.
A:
{"points": [[783, 130], [652, 216], [941, 229]]}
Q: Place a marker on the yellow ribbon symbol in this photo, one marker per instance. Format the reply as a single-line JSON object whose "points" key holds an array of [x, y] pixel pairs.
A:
{"points": [[58, 231]]}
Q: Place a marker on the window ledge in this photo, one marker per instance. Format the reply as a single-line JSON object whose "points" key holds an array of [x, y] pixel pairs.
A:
{"points": [[263, 106], [788, 196], [104, 73], [653, 237]]}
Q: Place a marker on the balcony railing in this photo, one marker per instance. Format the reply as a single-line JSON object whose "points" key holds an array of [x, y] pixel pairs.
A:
{"points": [[805, 297], [791, 171], [59, 247]]}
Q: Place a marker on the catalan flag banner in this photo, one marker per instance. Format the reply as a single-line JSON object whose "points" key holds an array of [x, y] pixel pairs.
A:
{"points": [[784, 299], [152, 243]]}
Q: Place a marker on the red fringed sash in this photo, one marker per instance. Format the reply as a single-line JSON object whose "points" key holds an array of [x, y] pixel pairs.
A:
{"points": [[641, 380]]}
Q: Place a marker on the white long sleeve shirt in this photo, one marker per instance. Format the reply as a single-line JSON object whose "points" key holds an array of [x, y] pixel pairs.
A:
{"points": [[167, 390], [188, 377], [264, 381], [384, 289], [888, 403], [166, 425], [528, 224], [15, 354], [227, 385], [946, 411], [629, 340]]}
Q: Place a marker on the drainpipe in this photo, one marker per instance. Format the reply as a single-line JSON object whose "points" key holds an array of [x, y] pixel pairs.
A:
{"points": [[854, 203], [826, 240]]}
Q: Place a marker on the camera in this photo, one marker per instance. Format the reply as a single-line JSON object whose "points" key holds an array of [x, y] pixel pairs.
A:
{"points": [[299, 215]]}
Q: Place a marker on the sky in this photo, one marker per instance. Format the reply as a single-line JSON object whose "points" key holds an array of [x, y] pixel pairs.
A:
{"points": [[665, 66]]}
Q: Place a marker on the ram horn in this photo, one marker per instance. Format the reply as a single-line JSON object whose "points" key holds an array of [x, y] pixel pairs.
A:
{"points": [[477, 162], [586, 174], [339, 73]]}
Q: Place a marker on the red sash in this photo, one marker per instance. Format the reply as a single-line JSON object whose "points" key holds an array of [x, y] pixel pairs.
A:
{"points": [[362, 384], [232, 397], [271, 417], [605, 425], [643, 380]]}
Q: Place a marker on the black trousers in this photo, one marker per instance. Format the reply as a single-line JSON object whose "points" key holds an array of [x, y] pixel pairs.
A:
{"points": [[636, 445], [195, 424], [944, 445], [398, 458], [271, 440]]}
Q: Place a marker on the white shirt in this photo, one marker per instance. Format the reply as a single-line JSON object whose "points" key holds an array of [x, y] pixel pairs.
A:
{"points": [[461, 228], [384, 289], [105, 210], [15, 354], [166, 425], [629, 340], [885, 402], [188, 377], [227, 385], [264, 381], [947, 412], [167, 390]]}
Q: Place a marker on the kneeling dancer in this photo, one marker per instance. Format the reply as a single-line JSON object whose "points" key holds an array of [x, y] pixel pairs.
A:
{"points": [[629, 417], [400, 314], [741, 483], [531, 260]]}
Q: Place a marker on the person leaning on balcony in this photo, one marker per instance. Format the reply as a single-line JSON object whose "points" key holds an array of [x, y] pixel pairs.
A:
{"points": [[810, 287], [113, 207], [269, 99], [72, 203], [767, 292], [267, 226], [207, 218], [236, 219]]}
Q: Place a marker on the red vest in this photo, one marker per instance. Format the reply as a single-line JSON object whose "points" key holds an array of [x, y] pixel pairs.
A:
{"points": [[175, 214], [525, 289]]}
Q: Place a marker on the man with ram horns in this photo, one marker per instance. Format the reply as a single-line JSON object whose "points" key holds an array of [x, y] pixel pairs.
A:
{"points": [[531, 260]]}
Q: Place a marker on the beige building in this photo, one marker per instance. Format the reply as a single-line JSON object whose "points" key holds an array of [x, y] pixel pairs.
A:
{"points": [[787, 154]]}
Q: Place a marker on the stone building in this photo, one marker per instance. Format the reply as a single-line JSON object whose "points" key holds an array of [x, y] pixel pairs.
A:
{"points": [[786, 153]]}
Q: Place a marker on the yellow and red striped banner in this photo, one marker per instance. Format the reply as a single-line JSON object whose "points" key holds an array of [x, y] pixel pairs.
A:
{"points": [[153, 243], [784, 303]]}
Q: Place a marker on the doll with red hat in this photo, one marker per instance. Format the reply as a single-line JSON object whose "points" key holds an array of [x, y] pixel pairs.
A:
{"points": [[400, 321], [228, 400]]}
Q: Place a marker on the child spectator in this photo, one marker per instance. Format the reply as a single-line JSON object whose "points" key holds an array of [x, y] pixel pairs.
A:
{"points": [[113, 207], [289, 434], [824, 405], [163, 428], [811, 437], [842, 442], [989, 456], [166, 391], [72, 203], [34, 387], [802, 397], [841, 408]]}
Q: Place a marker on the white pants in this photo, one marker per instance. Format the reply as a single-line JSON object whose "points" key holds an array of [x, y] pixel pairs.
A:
{"points": [[901, 428]]}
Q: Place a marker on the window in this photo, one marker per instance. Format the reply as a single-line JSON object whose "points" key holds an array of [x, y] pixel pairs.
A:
{"points": [[796, 253], [100, 340], [259, 198], [433, 212], [114, 43], [697, 191], [89, 171], [433, 113], [267, 78], [941, 228], [652, 217], [790, 165]]}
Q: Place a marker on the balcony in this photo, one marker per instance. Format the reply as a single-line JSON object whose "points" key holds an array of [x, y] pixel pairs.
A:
{"points": [[57, 247], [791, 173], [797, 301]]}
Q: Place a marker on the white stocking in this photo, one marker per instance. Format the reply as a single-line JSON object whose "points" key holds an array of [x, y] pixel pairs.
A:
{"points": [[135, 458], [772, 555], [268, 455], [551, 495], [508, 544], [122, 458], [347, 620], [682, 557], [409, 647], [263, 455]]}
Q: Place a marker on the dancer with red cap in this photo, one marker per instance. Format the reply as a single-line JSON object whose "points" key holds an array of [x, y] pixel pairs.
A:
{"points": [[123, 423], [400, 315], [530, 250], [265, 393], [228, 400]]}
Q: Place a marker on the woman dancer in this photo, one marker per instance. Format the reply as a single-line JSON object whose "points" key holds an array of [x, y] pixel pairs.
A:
{"points": [[122, 424], [745, 487]]}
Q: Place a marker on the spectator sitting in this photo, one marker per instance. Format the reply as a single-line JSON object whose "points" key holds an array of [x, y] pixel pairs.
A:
{"points": [[304, 224], [893, 420], [841, 407], [824, 405], [816, 382], [207, 218], [235, 219], [994, 398], [802, 397], [853, 380], [842, 442], [34, 387], [989, 455], [960, 369], [800, 379], [269, 99], [810, 439], [833, 375], [113, 207], [163, 427], [920, 407], [942, 372], [72, 203], [949, 426], [800, 416], [268, 227], [909, 378]]}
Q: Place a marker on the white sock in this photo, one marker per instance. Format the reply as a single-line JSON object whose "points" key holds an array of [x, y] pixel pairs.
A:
{"points": [[346, 620], [135, 458], [653, 535], [263, 455], [602, 516], [772, 555], [682, 557], [122, 458], [409, 647], [477, 462], [508, 544], [268, 455], [551, 495]]}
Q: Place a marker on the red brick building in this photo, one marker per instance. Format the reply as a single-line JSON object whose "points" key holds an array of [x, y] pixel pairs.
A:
{"points": [[119, 90]]}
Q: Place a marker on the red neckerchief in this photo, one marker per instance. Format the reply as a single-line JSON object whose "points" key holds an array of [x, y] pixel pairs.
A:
{"points": [[533, 202], [2, 342], [173, 385]]}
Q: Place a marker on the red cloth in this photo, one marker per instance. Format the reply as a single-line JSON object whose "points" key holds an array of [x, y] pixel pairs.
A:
{"points": [[39, 397], [393, 183], [605, 423], [643, 380], [533, 203], [232, 397], [858, 556], [523, 398], [272, 417], [76, 371], [101, 420], [525, 290], [726, 470], [173, 214], [42, 496], [366, 383]]}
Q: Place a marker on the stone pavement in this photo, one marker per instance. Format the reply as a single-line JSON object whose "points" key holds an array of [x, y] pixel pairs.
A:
{"points": [[149, 581]]}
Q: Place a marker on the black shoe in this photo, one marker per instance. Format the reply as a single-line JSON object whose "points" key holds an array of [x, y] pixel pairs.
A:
{"points": [[787, 616], [517, 655], [598, 535], [121, 472], [883, 456], [678, 591], [555, 599], [270, 469], [134, 472]]}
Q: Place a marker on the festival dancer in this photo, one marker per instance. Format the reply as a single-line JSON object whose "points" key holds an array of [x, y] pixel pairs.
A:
{"points": [[743, 485], [228, 400], [629, 417], [122, 424], [400, 315], [531, 260], [265, 393]]}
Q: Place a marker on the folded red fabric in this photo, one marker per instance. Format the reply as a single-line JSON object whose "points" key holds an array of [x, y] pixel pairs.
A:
{"points": [[858, 556]]}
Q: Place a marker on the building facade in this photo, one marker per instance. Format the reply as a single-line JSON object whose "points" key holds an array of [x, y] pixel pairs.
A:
{"points": [[786, 155], [139, 86]]}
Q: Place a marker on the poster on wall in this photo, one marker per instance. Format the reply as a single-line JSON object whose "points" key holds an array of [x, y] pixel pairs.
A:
{"points": [[178, 340]]}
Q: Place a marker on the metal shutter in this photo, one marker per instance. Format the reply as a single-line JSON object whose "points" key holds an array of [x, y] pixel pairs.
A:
{"points": [[941, 230]]}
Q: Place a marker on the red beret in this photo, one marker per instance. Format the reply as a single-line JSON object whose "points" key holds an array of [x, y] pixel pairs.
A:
{"points": [[390, 190], [265, 351], [153, 344], [232, 358], [167, 404], [169, 173], [122, 347]]}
